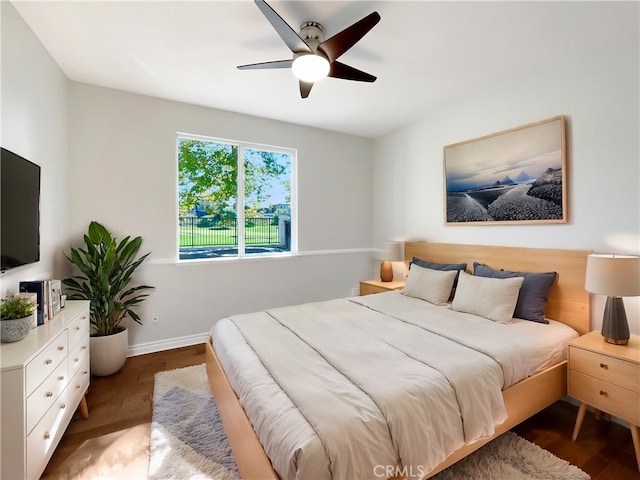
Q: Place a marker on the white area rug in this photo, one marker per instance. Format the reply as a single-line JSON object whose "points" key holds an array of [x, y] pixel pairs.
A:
{"points": [[187, 437], [188, 441]]}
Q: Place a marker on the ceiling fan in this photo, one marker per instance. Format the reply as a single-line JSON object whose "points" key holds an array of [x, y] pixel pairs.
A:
{"points": [[313, 57]]}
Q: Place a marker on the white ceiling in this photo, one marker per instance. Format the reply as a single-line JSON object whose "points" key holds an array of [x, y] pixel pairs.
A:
{"points": [[425, 54]]}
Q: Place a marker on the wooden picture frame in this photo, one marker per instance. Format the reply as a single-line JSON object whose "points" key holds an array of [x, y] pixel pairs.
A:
{"points": [[517, 176]]}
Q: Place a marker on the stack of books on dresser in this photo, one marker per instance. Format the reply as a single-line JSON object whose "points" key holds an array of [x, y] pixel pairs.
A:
{"points": [[48, 294]]}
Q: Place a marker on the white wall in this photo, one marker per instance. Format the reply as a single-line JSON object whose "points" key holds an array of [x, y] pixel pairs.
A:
{"points": [[34, 125], [115, 162], [123, 172], [597, 91]]}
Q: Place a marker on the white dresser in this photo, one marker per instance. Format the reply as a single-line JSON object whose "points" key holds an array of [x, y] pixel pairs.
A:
{"points": [[44, 379]]}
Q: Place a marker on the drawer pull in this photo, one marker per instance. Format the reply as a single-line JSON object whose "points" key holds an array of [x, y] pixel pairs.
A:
{"points": [[84, 347], [85, 372], [77, 328], [76, 360], [60, 347], [46, 436], [48, 362], [604, 365], [63, 406], [61, 378], [48, 394], [603, 393], [84, 317], [78, 386]]}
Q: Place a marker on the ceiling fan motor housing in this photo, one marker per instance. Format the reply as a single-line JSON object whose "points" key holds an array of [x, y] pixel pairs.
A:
{"points": [[313, 35]]}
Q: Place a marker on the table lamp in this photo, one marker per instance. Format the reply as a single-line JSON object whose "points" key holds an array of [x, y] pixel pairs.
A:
{"points": [[391, 253], [615, 276]]}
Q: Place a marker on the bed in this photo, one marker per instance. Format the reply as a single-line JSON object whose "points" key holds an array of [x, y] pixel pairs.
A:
{"points": [[303, 423]]}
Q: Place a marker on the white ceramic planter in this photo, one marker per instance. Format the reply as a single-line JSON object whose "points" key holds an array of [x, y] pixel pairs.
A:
{"points": [[109, 353]]}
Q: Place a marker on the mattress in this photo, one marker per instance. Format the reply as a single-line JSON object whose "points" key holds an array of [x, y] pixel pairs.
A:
{"points": [[376, 385]]}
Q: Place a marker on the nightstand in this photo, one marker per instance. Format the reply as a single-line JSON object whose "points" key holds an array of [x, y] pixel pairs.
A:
{"points": [[606, 377], [367, 287]]}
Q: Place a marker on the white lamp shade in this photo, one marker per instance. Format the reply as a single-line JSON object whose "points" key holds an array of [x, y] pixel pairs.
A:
{"points": [[391, 251], [613, 275], [394, 251]]}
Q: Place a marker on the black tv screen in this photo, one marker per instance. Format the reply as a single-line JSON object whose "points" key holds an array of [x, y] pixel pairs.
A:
{"points": [[19, 211]]}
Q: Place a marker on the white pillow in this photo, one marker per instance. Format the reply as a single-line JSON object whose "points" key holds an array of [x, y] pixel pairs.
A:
{"points": [[492, 298], [431, 285]]}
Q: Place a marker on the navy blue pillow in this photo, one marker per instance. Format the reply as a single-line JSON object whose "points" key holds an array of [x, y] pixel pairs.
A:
{"points": [[534, 292], [440, 266]]}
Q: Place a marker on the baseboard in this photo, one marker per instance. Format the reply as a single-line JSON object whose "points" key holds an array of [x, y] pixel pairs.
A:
{"points": [[151, 347]]}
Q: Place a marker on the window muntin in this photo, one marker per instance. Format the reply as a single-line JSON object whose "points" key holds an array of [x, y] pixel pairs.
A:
{"points": [[229, 207]]}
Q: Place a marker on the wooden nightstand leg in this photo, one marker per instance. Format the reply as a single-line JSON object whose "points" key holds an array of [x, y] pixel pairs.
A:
{"points": [[597, 414], [635, 434], [579, 419]]}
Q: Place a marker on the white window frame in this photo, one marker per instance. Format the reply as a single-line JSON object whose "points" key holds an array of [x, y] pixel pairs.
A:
{"points": [[242, 146]]}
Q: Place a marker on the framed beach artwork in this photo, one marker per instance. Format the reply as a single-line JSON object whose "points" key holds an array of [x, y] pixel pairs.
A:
{"points": [[515, 176]]}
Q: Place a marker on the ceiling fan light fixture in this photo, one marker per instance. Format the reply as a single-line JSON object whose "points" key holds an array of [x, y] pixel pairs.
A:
{"points": [[310, 67]]}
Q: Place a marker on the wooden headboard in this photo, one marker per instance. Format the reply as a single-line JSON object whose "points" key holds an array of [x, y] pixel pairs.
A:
{"points": [[568, 300]]}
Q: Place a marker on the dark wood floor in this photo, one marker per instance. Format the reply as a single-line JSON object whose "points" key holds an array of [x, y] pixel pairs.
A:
{"points": [[114, 441]]}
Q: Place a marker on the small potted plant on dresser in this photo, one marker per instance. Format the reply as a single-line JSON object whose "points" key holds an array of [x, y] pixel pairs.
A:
{"points": [[16, 318], [107, 266]]}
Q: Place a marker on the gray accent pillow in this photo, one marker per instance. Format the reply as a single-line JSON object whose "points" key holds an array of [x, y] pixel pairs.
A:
{"points": [[440, 266], [534, 292]]}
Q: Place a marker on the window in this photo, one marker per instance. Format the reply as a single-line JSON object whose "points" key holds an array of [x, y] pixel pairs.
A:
{"points": [[234, 199]]}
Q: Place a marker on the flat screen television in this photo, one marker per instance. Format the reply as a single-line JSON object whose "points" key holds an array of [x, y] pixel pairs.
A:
{"points": [[19, 211]]}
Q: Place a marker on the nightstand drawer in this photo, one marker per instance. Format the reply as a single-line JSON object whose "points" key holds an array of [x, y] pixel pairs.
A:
{"points": [[370, 289], [605, 396], [604, 367], [367, 287]]}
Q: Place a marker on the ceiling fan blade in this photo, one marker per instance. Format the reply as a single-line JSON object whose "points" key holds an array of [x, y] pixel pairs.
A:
{"points": [[340, 70], [305, 88], [265, 65], [347, 38], [288, 34]]}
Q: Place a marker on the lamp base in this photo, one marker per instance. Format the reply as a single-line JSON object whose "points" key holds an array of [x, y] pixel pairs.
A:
{"points": [[615, 328], [386, 271]]}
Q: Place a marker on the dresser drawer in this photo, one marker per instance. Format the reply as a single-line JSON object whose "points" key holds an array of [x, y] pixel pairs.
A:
{"points": [[80, 367], [46, 394], [45, 435], [45, 362], [79, 328], [78, 385], [79, 356], [604, 367], [605, 396]]}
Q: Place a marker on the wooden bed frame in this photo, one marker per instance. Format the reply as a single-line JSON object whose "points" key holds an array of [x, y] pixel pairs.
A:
{"points": [[568, 303]]}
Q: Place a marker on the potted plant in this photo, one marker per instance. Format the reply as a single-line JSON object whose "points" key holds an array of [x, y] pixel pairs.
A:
{"points": [[106, 267], [16, 318]]}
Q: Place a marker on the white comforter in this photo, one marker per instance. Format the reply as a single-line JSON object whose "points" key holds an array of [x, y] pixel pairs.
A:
{"points": [[368, 386]]}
